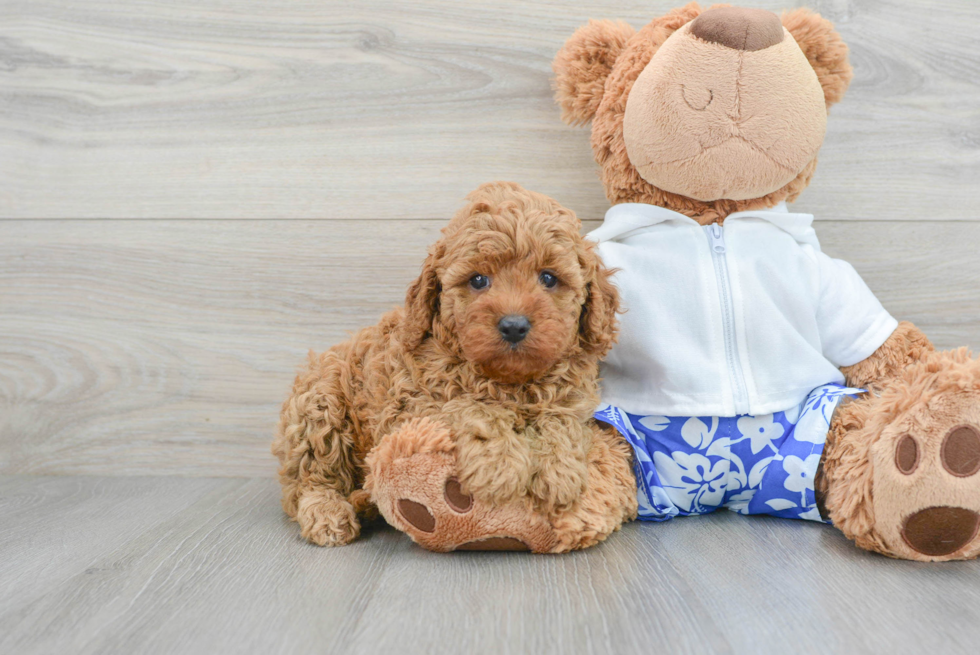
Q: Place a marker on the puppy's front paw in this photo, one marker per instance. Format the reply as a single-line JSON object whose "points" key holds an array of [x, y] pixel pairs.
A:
{"points": [[327, 519], [493, 461], [496, 476], [559, 480]]}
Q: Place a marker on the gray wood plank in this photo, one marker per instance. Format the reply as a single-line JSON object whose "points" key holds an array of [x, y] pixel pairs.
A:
{"points": [[774, 585], [114, 333], [56, 528], [382, 109], [165, 347], [228, 573]]}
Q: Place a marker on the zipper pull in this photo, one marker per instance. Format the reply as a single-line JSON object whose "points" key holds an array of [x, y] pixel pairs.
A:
{"points": [[717, 238]]}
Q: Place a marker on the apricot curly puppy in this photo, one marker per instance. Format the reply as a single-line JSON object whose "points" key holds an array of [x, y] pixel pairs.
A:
{"points": [[493, 360]]}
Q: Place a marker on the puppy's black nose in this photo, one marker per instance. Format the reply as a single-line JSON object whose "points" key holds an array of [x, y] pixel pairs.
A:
{"points": [[514, 328]]}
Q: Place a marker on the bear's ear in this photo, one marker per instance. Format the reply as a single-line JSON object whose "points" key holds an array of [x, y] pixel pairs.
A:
{"points": [[825, 50], [582, 66]]}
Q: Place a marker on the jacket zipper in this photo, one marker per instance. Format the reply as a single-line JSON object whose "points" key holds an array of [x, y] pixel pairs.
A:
{"points": [[716, 242]]}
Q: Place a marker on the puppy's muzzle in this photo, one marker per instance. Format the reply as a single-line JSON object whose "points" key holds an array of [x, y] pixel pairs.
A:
{"points": [[514, 328]]}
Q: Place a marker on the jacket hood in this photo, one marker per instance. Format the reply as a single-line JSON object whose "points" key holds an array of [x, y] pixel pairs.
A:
{"points": [[622, 219]]}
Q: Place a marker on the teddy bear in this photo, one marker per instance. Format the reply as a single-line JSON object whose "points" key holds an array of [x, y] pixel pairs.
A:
{"points": [[466, 416], [753, 372]]}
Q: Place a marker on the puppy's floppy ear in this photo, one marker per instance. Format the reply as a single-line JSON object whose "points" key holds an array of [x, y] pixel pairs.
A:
{"points": [[597, 323], [825, 50], [582, 66], [421, 302]]}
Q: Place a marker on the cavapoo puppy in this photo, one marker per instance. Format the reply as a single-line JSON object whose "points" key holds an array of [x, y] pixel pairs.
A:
{"points": [[494, 358]]}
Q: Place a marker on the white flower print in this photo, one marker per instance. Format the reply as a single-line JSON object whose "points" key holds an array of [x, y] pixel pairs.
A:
{"points": [[655, 423], [793, 413], [693, 465], [812, 426], [697, 434], [761, 430], [812, 514], [759, 471], [800, 472], [740, 501], [661, 500], [643, 501], [691, 481], [736, 470], [824, 399]]}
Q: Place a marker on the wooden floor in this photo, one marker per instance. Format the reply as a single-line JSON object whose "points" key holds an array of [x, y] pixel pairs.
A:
{"points": [[195, 193], [168, 565]]}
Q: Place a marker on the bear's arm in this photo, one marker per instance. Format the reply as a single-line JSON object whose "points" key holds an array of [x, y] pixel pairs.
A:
{"points": [[907, 344]]}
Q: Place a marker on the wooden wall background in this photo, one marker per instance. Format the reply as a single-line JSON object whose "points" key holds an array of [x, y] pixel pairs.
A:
{"points": [[195, 193]]}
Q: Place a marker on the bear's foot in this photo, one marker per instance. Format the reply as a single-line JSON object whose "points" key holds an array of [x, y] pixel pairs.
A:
{"points": [[412, 481], [902, 469]]}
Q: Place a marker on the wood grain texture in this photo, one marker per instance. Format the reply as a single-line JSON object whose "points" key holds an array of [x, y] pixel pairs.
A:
{"points": [[163, 565], [165, 347], [381, 109], [146, 350]]}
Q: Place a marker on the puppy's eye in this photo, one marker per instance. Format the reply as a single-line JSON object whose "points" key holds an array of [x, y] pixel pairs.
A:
{"points": [[478, 282], [548, 279]]}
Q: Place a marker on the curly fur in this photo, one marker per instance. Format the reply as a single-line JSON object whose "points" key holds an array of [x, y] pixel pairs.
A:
{"points": [[609, 499], [520, 417], [621, 65]]}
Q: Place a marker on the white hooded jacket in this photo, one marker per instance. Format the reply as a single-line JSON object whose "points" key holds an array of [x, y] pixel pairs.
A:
{"points": [[745, 318]]}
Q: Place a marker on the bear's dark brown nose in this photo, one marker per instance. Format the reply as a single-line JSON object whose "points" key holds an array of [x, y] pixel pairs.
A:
{"points": [[938, 531], [739, 28]]}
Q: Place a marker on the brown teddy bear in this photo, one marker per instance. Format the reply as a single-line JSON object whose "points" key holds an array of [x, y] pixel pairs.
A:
{"points": [[753, 372]]}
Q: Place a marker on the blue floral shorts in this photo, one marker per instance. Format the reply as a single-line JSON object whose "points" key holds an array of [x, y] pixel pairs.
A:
{"points": [[749, 464]]}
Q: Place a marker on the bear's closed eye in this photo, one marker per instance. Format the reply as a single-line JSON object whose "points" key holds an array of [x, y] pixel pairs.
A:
{"points": [[697, 99]]}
